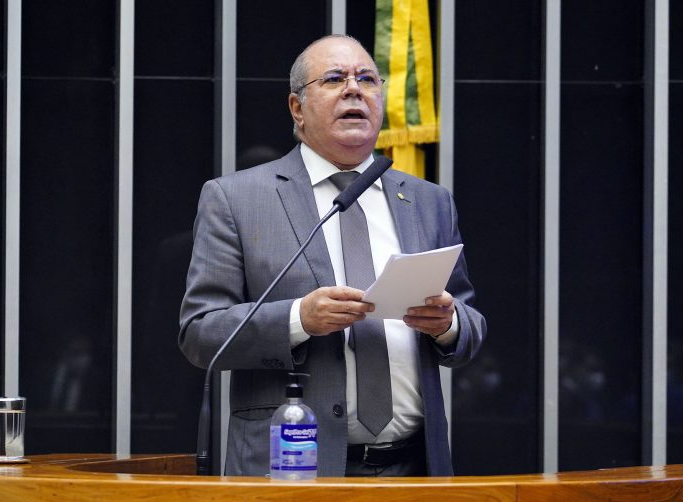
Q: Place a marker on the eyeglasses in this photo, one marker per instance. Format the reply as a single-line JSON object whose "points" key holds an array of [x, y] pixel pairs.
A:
{"points": [[368, 82]]}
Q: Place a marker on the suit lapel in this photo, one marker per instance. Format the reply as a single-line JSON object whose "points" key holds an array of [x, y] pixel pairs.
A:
{"points": [[296, 194], [401, 198]]}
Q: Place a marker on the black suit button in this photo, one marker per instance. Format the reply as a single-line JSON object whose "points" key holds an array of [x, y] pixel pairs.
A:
{"points": [[338, 410]]}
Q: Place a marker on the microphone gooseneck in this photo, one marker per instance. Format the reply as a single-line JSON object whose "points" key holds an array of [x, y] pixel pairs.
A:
{"points": [[340, 203], [363, 182]]}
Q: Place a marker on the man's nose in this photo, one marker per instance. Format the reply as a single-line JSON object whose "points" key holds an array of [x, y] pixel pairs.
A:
{"points": [[351, 86]]}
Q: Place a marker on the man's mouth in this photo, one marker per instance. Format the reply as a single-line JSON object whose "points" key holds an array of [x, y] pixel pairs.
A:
{"points": [[353, 114]]}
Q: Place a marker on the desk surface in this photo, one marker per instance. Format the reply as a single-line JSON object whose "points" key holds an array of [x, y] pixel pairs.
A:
{"points": [[169, 478]]}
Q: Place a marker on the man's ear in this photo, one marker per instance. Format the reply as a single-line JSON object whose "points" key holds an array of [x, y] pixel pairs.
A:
{"points": [[295, 110]]}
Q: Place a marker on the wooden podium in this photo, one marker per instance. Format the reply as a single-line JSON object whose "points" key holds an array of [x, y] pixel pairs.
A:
{"points": [[169, 478]]}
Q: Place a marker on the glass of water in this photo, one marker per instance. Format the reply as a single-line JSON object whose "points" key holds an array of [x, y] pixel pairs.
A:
{"points": [[12, 420]]}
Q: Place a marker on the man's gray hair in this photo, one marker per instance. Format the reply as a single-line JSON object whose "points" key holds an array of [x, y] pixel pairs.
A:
{"points": [[299, 72]]}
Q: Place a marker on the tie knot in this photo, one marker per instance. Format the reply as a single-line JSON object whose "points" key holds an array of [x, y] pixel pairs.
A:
{"points": [[344, 179]]}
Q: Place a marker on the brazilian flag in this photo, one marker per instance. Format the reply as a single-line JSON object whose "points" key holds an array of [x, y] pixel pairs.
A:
{"points": [[403, 52]]}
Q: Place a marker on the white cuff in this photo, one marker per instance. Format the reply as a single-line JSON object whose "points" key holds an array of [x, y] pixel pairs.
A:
{"points": [[450, 336], [297, 334]]}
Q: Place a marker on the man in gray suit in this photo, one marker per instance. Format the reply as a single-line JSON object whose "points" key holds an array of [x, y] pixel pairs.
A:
{"points": [[248, 226]]}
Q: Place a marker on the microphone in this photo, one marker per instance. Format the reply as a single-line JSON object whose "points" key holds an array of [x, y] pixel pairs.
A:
{"points": [[363, 182], [341, 203]]}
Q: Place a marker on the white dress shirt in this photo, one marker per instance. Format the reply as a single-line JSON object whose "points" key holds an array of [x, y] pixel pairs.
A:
{"points": [[401, 340]]}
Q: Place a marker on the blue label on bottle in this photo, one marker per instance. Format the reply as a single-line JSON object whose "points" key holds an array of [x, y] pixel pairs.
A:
{"points": [[299, 433], [294, 447]]}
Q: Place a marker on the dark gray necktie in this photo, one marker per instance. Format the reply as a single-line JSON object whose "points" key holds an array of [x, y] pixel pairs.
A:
{"points": [[367, 337]]}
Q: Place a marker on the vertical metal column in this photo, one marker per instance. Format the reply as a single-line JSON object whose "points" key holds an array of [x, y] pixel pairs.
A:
{"points": [[228, 127], [445, 167], [337, 17], [446, 93], [551, 237], [655, 232], [12, 199], [660, 226], [124, 232], [228, 65]]}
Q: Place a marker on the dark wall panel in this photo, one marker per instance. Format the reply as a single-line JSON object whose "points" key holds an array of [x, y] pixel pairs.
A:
{"points": [[601, 234], [74, 39], [67, 215], [498, 40], [3, 41], [174, 38], [497, 149], [675, 345], [497, 169], [264, 139], [602, 41], [173, 157], [361, 24], [67, 211], [675, 41], [600, 268], [675, 258]]}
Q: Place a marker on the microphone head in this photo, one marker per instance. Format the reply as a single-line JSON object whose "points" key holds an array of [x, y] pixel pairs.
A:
{"points": [[363, 182]]}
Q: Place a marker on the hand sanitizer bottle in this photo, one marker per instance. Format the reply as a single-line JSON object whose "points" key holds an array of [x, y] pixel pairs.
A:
{"points": [[294, 437]]}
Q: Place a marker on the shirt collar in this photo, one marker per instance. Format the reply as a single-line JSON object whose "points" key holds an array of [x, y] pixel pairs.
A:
{"points": [[319, 169]]}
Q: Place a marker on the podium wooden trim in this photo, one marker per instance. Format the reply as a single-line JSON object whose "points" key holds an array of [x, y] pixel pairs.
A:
{"points": [[169, 478]]}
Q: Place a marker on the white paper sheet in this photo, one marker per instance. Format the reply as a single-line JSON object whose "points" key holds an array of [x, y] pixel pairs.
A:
{"points": [[408, 279]]}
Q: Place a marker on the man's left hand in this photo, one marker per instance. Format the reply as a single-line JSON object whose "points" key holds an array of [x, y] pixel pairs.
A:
{"points": [[433, 318]]}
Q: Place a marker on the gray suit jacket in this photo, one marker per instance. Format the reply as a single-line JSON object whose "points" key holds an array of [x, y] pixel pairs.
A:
{"points": [[248, 226]]}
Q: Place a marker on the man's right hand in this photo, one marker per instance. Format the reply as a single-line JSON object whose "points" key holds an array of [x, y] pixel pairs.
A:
{"points": [[330, 309]]}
